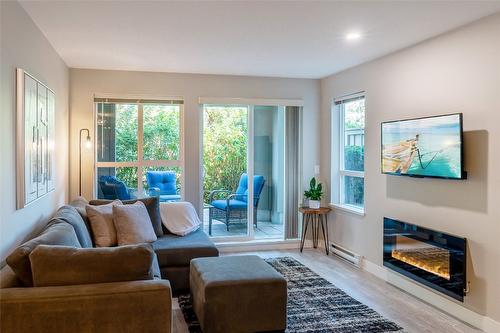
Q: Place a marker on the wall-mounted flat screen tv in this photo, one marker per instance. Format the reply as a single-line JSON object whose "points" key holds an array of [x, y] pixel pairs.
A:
{"points": [[424, 147]]}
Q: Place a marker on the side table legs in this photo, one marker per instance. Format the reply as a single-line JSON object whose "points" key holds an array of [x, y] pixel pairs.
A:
{"points": [[324, 227], [316, 220], [305, 223]]}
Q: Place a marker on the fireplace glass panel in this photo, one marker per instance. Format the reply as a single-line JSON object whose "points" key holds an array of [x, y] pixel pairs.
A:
{"points": [[430, 258], [433, 258]]}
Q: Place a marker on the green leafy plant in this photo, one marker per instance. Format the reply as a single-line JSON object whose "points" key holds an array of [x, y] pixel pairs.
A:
{"points": [[315, 191]]}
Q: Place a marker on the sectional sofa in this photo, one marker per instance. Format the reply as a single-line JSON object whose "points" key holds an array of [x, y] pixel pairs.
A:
{"points": [[129, 306]]}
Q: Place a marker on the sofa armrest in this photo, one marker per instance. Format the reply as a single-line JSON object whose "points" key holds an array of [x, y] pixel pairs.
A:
{"points": [[135, 306]]}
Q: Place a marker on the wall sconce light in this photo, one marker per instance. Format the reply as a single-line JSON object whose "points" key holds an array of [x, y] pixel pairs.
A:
{"points": [[88, 145]]}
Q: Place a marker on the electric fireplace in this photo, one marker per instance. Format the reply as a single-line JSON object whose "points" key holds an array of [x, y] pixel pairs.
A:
{"points": [[433, 258]]}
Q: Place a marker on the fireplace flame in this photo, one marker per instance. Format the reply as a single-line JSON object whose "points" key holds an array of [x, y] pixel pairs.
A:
{"points": [[432, 259]]}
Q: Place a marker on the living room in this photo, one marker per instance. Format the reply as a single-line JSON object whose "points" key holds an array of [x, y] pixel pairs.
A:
{"points": [[176, 113]]}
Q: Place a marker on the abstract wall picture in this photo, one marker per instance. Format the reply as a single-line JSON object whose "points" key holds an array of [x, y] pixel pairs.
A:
{"points": [[35, 139]]}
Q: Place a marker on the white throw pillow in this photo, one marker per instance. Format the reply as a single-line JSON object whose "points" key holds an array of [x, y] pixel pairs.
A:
{"points": [[179, 218]]}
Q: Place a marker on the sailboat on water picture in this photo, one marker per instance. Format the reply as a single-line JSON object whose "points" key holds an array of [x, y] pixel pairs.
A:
{"points": [[424, 147]]}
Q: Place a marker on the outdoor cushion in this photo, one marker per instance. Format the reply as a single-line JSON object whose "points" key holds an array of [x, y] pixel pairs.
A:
{"points": [[165, 181], [174, 250], [258, 184], [64, 265], [133, 225], [112, 188], [56, 233], [233, 204], [70, 215], [152, 205]]}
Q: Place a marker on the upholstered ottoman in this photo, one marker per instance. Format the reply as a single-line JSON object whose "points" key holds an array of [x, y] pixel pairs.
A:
{"points": [[238, 294]]}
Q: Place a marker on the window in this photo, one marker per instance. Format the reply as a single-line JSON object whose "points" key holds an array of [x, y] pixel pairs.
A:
{"points": [[348, 145], [133, 138]]}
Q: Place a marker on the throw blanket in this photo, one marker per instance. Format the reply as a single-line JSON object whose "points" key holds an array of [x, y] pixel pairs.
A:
{"points": [[179, 218]]}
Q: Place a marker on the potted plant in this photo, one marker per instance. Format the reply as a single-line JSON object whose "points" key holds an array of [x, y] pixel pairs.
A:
{"points": [[314, 194]]}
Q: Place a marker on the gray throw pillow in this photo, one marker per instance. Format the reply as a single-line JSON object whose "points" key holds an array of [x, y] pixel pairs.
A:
{"points": [[152, 205], [133, 225], [63, 265], [56, 233], [102, 225]]}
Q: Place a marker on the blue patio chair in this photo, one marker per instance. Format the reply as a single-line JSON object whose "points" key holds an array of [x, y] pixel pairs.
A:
{"points": [[163, 184], [111, 188], [233, 206]]}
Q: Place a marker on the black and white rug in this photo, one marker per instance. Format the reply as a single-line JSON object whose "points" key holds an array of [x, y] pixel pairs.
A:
{"points": [[314, 305]]}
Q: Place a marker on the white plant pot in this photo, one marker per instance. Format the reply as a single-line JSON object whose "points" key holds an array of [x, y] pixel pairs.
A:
{"points": [[314, 204]]}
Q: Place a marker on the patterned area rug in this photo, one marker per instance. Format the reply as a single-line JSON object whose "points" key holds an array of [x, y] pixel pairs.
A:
{"points": [[314, 305]]}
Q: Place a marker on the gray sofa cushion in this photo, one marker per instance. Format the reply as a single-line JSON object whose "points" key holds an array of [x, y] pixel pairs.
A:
{"points": [[70, 215], [174, 250], [56, 233], [79, 203], [152, 205], [64, 265]]}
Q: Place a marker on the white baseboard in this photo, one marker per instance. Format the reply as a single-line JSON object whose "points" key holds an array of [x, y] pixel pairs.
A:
{"points": [[445, 304], [261, 245]]}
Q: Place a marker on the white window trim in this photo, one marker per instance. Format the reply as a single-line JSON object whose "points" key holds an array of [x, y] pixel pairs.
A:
{"points": [[249, 101], [348, 208], [337, 157], [141, 163]]}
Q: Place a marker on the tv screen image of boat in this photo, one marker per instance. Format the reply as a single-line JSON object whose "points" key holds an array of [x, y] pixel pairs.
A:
{"points": [[424, 147]]}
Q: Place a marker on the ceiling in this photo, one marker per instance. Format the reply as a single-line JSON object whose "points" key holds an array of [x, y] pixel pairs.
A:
{"points": [[284, 39]]}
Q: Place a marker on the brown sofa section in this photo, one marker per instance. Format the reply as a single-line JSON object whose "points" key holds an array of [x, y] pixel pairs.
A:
{"points": [[134, 306], [174, 252], [64, 265], [90, 305], [85, 305], [60, 233]]}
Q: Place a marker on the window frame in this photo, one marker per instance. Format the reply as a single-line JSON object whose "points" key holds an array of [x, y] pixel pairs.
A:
{"points": [[338, 155], [141, 163]]}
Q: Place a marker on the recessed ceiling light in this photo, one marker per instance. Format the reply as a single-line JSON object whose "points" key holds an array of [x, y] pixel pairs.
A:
{"points": [[353, 36]]}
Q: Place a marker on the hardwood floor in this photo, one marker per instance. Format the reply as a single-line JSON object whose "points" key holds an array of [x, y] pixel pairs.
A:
{"points": [[412, 314]]}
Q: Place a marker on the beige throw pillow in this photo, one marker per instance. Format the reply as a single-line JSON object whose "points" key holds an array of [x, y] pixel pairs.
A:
{"points": [[101, 223], [133, 224]]}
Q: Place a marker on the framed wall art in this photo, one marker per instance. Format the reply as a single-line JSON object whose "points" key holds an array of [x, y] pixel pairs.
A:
{"points": [[35, 139]]}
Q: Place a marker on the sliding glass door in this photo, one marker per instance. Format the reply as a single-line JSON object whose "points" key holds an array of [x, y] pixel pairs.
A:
{"points": [[244, 176], [268, 166], [225, 159]]}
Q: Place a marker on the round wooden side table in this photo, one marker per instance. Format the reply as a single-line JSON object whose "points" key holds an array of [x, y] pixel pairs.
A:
{"points": [[316, 217]]}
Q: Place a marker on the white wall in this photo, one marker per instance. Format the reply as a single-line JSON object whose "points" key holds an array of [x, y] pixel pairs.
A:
{"points": [[23, 45], [84, 83], [455, 72]]}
